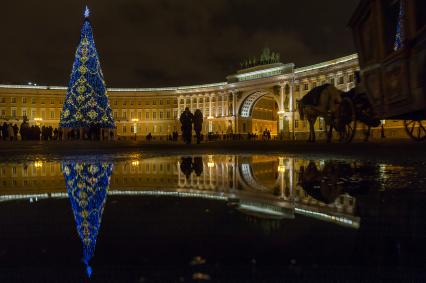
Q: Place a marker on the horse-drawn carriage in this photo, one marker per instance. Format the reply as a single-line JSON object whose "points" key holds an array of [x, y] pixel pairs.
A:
{"points": [[390, 37]]}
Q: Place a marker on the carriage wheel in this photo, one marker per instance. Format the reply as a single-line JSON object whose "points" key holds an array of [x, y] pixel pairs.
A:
{"points": [[346, 124], [415, 129]]}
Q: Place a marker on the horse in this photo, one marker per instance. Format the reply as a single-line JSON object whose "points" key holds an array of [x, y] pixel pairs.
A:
{"points": [[322, 101]]}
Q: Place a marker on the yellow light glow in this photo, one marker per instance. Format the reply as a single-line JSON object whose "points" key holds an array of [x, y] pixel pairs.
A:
{"points": [[38, 119], [38, 164], [135, 120], [281, 168], [281, 112], [135, 163], [210, 163]]}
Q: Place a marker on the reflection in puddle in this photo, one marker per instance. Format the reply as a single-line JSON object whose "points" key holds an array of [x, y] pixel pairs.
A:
{"points": [[87, 186], [262, 186], [260, 196]]}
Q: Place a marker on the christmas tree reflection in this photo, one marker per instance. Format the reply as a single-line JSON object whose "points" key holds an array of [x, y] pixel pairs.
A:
{"points": [[87, 186]]}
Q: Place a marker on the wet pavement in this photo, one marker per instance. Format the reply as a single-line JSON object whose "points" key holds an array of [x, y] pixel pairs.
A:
{"points": [[211, 217]]}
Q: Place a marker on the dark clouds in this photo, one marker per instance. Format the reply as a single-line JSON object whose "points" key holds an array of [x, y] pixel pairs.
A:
{"points": [[146, 43]]}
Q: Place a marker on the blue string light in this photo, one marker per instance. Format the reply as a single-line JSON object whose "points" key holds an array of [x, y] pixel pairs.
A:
{"points": [[87, 185], [86, 103]]}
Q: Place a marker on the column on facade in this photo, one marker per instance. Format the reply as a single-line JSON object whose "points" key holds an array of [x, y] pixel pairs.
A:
{"points": [[281, 111], [210, 114], [178, 111], [197, 105], [210, 105], [234, 111], [291, 107], [184, 102], [223, 104], [204, 106]]}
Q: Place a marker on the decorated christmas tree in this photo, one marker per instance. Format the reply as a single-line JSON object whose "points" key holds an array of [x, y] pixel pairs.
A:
{"points": [[86, 103], [87, 186]]}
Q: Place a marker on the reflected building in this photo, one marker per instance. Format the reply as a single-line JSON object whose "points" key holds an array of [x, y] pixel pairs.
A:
{"points": [[264, 187]]}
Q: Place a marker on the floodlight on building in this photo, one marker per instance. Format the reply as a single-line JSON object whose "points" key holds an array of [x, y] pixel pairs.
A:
{"points": [[135, 120], [38, 119]]}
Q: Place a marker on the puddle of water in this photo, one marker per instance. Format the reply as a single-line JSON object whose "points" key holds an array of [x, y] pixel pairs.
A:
{"points": [[261, 213]]}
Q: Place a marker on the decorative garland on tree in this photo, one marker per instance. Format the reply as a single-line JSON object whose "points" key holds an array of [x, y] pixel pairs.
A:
{"points": [[87, 185], [86, 103]]}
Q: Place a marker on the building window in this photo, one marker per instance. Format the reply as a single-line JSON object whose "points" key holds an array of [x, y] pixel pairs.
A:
{"points": [[52, 114], [13, 112], [52, 101], [167, 101], [42, 101], [341, 80], [2, 100], [168, 114], [161, 102], [297, 87], [33, 114], [115, 101], [140, 115], [175, 114], [124, 102], [24, 100], [154, 102], [161, 115], [154, 115], [305, 86], [351, 78], [147, 115], [332, 81], [131, 102], [124, 129], [296, 123], [24, 112], [124, 114], [115, 114], [33, 100], [13, 100]]}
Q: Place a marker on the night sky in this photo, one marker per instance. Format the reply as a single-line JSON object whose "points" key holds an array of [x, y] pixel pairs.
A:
{"points": [[155, 43]]}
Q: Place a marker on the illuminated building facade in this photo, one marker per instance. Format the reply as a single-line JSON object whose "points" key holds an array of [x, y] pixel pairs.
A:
{"points": [[250, 101]]}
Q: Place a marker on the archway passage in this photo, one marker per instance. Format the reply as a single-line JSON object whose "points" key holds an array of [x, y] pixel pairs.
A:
{"points": [[259, 113]]}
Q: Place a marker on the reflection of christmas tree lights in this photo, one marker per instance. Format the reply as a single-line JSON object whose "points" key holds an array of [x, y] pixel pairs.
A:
{"points": [[87, 185]]}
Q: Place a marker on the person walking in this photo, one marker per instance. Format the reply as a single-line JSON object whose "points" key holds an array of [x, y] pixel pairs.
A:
{"points": [[15, 132], [10, 132], [4, 131]]}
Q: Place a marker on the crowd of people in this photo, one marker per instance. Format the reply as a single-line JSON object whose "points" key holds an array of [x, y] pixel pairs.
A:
{"points": [[25, 132], [13, 132]]}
